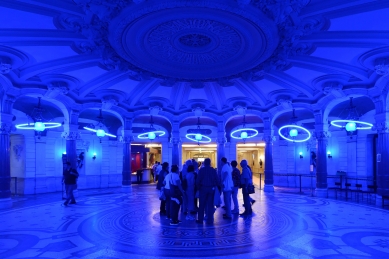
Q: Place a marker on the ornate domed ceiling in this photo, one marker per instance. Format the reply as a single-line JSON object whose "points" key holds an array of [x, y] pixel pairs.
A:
{"points": [[178, 55]]}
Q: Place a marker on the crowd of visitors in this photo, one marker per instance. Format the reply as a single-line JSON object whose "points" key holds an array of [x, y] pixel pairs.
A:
{"points": [[197, 192]]}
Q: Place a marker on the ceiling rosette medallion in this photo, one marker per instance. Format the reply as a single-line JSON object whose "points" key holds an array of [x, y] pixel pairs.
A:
{"points": [[193, 41]]}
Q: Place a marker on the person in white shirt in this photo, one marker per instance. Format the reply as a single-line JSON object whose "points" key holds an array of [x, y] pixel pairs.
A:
{"points": [[227, 186], [158, 169]]}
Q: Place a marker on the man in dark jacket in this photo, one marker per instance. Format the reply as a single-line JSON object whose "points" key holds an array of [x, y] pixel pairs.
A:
{"points": [[206, 182], [69, 178]]}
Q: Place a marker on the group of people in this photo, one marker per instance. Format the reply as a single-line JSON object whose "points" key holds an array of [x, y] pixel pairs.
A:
{"points": [[198, 191]]}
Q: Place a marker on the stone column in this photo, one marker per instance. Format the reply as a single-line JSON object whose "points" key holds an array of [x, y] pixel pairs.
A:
{"points": [[71, 137], [268, 163], [5, 172], [321, 163], [175, 141], [221, 142], [127, 137], [382, 156]]}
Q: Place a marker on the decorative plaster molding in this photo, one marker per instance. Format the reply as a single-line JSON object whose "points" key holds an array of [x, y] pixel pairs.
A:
{"points": [[73, 135], [57, 88], [198, 111], [6, 128], [269, 139], [286, 104], [18, 149], [381, 66], [381, 127], [184, 48], [155, 110], [322, 135], [240, 110], [5, 65], [334, 88], [126, 139], [107, 102]]}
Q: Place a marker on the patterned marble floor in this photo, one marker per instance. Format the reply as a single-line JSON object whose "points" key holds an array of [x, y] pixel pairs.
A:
{"points": [[110, 224]]}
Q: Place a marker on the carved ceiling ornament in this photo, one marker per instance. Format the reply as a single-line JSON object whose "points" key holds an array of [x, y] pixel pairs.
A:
{"points": [[334, 88], [284, 103], [198, 111], [381, 66], [5, 65], [240, 110], [185, 44], [107, 102], [57, 88]]}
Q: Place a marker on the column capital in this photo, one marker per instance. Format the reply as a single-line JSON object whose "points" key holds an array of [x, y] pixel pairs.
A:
{"points": [[127, 136], [322, 134], [269, 139], [381, 127], [71, 135]]}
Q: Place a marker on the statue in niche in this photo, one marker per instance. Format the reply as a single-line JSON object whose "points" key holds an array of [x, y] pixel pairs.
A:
{"points": [[80, 160], [18, 151]]}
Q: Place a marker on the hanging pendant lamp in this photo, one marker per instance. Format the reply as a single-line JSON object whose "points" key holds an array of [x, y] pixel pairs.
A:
{"points": [[244, 133], [198, 137], [293, 131], [152, 133], [98, 128], [39, 124], [352, 122]]}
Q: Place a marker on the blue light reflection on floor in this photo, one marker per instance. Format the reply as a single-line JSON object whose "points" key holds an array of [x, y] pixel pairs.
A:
{"points": [[110, 224]]}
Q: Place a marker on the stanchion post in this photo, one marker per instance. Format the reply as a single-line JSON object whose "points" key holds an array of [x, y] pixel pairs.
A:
{"points": [[300, 183]]}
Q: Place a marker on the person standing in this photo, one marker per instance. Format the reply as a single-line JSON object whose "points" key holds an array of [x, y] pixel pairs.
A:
{"points": [[153, 171], [69, 178], [236, 181], [176, 192], [190, 191], [246, 180], [206, 182], [158, 169], [227, 185], [161, 184]]}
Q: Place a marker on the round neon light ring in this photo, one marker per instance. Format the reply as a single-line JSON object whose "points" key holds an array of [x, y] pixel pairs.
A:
{"points": [[192, 136], [297, 127], [145, 135], [99, 133], [238, 136], [365, 127], [31, 126]]}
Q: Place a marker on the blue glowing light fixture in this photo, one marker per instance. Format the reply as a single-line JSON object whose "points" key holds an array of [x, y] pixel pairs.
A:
{"points": [[352, 123], [244, 133], [293, 133], [192, 137], [152, 133], [293, 137], [198, 137], [98, 129], [38, 125]]}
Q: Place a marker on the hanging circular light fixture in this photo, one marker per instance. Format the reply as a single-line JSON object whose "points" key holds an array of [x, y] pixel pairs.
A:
{"points": [[192, 136], [244, 133], [98, 129], [352, 123], [38, 125], [293, 131], [197, 136], [152, 133], [294, 127]]}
